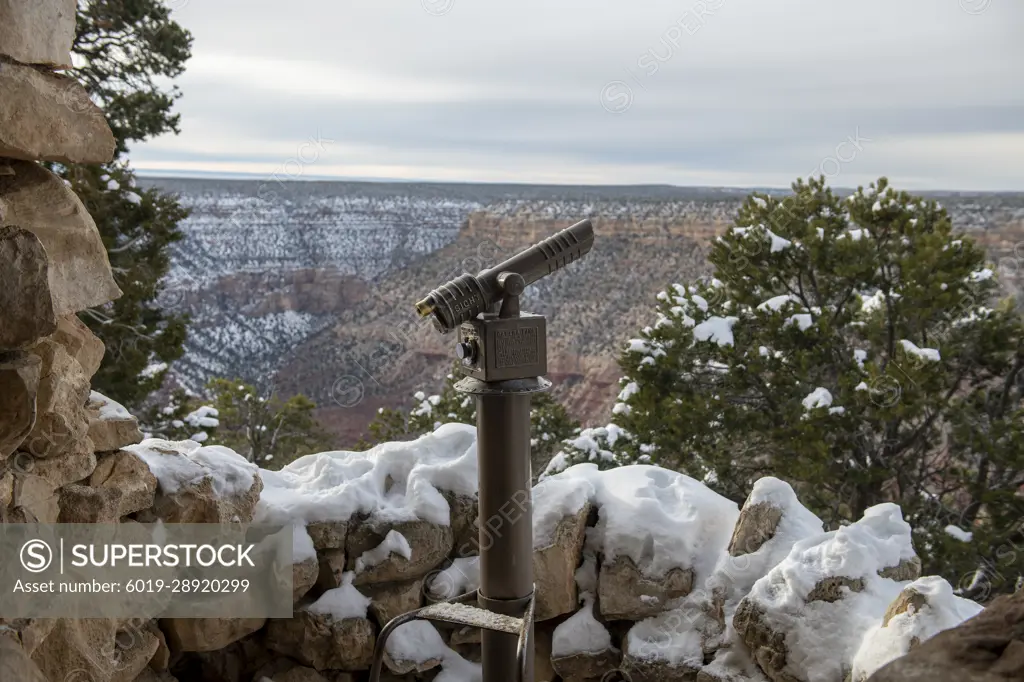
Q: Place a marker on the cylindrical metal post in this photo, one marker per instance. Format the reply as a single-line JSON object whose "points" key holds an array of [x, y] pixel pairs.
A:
{"points": [[506, 525]]}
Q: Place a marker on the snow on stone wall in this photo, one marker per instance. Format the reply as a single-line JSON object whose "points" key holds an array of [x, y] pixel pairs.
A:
{"points": [[638, 569]]}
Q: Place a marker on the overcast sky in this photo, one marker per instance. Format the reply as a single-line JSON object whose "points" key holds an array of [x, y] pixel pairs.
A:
{"points": [[706, 92]]}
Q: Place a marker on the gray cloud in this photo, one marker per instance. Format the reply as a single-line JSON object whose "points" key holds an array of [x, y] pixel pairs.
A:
{"points": [[739, 92]]}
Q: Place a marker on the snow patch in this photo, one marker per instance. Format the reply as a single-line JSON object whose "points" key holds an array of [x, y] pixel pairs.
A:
{"points": [[581, 633], [803, 321], [819, 397], [394, 543], [108, 409], [177, 464], [461, 577], [716, 329], [959, 533], [929, 354], [776, 303], [390, 483], [342, 602]]}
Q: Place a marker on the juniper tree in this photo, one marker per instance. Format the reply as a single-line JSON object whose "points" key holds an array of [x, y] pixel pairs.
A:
{"points": [[855, 348], [550, 423], [263, 427], [124, 53]]}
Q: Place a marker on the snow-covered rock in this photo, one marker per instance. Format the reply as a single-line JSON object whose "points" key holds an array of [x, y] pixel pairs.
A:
{"points": [[388, 484], [197, 484], [331, 633], [414, 648], [985, 648], [805, 619], [379, 552], [657, 532], [581, 646], [924, 608], [561, 510], [111, 426]]}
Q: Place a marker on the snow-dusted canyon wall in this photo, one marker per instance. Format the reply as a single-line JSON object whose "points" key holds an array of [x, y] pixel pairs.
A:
{"points": [[310, 284]]}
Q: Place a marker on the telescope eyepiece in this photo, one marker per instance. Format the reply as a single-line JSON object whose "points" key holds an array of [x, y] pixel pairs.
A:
{"points": [[467, 296]]}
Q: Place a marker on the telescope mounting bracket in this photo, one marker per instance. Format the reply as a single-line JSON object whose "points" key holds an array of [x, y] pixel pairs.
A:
{"points": [[504, 350]]}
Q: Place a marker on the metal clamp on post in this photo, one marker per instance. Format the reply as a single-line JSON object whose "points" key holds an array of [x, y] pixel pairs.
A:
{"points": [[503, 359]]}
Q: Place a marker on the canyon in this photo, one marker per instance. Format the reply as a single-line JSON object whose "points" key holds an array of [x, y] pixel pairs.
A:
{"points": [[310, 289]]}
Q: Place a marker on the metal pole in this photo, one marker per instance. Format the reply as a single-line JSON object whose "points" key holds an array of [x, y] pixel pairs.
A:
{"points": [[506, 525]]}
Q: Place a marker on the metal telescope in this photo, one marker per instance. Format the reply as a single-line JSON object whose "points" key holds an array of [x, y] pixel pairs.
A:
{"points": [[503, 354]]}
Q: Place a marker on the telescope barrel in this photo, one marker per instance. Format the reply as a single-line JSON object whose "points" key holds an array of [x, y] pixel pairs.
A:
{"points": [[467, 296], [545, 257]]}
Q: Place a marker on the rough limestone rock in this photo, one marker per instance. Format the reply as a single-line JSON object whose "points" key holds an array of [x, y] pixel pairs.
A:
{"points": [[71, 466], [582, 667], [94, 647], [299, 674], [304, 577], [6, 488], [908, 569], [111, 427], [62, 423], [29, 631], [124, 471], [627, 594], [85, 504], [639, 670], [909, 600], [38, 201], [15, 663], [79, 341], [466, 531], [162, 656], [554, 567], [430, 545], [34, 499], [19, 382], [756, 525], [25, 297], [767, 645], [191, 489], [207, 634], [332, 567], [237, 662], [394, 599], [986, 648], [328, 534], [38, 32], [50, 117], [322, 641]]}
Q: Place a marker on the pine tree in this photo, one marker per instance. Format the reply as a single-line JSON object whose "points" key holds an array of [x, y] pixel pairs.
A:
{"points": [[181, 417], [263, 427], [550, 423], [122, 51], [855, 348]]}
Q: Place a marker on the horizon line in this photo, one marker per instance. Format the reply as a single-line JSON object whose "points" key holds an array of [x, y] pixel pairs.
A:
{"points": [[241, 176]]}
